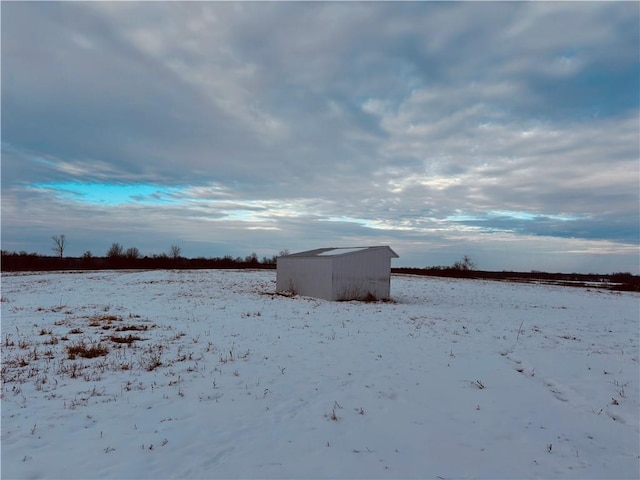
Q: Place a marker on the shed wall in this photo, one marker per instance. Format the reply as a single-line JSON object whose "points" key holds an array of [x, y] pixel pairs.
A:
{"points": [[309, 276], [358, 275]]}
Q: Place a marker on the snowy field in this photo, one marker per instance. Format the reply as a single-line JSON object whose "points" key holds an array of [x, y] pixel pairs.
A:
{"points": [[208, 374]]}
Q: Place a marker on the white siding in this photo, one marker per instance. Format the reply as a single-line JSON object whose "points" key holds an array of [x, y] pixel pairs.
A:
{"points": [[306, 276], [337, 273], [357, 276]]}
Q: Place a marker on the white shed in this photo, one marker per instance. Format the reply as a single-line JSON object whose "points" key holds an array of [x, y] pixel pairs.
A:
{"points": [[337, 273]]}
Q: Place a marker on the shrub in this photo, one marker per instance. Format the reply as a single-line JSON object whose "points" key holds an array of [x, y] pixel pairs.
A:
{"points": [[465, 265], [82, 350], [129, 339]]}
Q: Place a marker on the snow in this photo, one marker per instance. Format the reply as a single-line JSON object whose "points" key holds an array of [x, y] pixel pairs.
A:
{"points": [[453, 379], [341, 251]]}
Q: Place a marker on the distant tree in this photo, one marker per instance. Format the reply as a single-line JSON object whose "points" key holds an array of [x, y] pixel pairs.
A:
{"points": [[466, 264], [115, 251], [283, 253], [175, 251], [59, 244], [272, 260], [251, 259], [132, 253], [88, 260]]}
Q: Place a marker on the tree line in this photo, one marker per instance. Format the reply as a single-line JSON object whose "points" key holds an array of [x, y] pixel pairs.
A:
{"points": [[119, 257], [23, 261]]}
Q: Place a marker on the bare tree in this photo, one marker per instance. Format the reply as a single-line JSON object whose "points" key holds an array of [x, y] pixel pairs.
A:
{"points": [[466, 264], [175, 251], [115, 251], [60, 242], [132, 253]]}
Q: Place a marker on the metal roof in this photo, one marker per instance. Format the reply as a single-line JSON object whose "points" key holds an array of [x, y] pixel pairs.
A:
{"points": [[336, 251]]}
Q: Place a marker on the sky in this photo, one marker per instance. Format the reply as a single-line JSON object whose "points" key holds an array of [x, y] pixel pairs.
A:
{"points": [[508, 132]]}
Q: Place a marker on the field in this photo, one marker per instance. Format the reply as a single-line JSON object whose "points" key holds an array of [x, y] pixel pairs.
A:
{"points": [[209, 374]]}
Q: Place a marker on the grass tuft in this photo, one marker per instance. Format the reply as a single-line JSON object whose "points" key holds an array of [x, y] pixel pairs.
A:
{"points": [[83, 350], [129, 339]]}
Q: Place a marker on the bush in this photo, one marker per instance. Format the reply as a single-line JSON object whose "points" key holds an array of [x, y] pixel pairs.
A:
{"points": [[84, 351], [466, 264]]}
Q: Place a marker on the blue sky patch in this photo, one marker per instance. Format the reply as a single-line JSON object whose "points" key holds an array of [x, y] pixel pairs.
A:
{"points": [[111, 194]]}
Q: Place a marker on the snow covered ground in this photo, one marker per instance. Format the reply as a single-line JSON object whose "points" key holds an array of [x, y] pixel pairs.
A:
{"points": [[208, 374]]}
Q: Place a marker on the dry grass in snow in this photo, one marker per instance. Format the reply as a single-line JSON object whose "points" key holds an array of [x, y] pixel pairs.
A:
{"points": [[208, 374]]}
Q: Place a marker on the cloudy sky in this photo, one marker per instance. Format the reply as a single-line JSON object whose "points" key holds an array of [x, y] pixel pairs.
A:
{"points": [[508, 132]]}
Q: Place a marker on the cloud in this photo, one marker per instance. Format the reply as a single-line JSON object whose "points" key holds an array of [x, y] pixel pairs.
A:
{"points": [[285, 125]]}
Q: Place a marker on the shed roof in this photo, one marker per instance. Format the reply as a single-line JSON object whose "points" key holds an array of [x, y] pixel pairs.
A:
{"points": [[336, 251]]}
